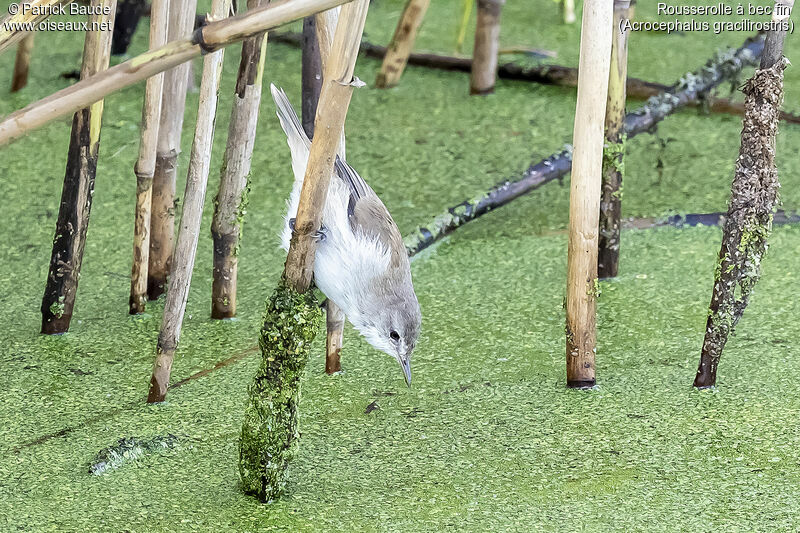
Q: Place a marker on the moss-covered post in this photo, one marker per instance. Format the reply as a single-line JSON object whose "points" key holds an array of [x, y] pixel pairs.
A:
{"points": [[189, 228], [396, 58], [230, 205], [487, 47], [78, 189], [144, 169], [269, 432], [163, 201], [614, 152], [754, 197], [584, 198], [22, 64]]}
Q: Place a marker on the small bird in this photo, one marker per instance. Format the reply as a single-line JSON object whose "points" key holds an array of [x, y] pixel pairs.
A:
{"points": [[361, 263]]}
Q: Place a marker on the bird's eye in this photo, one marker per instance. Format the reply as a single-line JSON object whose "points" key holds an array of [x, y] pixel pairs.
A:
{"points": [[394, 335]]}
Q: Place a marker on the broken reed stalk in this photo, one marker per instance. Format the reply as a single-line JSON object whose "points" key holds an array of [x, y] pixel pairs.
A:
{"points": [[614, 151], [128, 14], [396, 57], [311, 87], [269, 432], [230, 205], [22, 64], [585, 187], [754, 198], [163, 201], [568, 11], [189, 229], [487, 44], [76, 194], [211, 37], [14, 28], [144, 169], [692, 86]]}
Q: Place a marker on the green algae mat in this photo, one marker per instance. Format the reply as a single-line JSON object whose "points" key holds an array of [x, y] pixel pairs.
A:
{"points": [[488, 439]]}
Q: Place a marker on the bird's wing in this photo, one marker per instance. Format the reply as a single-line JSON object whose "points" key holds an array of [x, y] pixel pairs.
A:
{"points": [[355, 184], [367, 214]]}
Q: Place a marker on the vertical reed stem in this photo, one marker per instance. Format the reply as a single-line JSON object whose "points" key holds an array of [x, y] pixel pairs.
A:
{"points": [[22, 63], [311, 75], [584, 207], [76, 195], [396, 58], [613, 157], [568, 11], [128, 14], [231, 201], [487, 46], [145, 164], [189, 230], [173, 103]]}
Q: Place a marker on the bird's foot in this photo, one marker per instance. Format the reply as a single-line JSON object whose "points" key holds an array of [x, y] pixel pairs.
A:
{"points": [[319, 235]]}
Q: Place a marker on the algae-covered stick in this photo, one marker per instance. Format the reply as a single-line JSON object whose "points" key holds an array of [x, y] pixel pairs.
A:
{"points": [[78, 189], [230, 205], [314, 44], [396, 57], [269, 431], [754, 197], [189, 228], [163, 202], [584, 197], [22, 64], [613, 162], [145, 164], [487, 44]]}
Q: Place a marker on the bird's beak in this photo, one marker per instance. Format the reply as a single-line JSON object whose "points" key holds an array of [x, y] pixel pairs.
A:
{"points": [[405, 364]]}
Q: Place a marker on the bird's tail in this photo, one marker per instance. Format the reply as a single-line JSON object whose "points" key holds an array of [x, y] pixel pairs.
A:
{"points": [[299, 142]]}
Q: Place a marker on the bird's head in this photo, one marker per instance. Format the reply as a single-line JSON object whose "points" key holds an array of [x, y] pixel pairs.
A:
{"points": [[392, 325]]}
